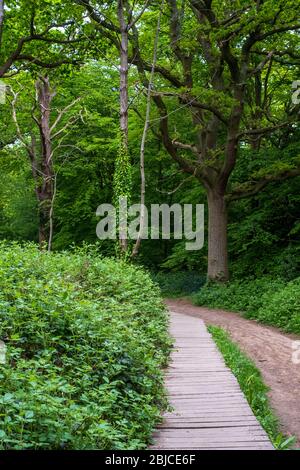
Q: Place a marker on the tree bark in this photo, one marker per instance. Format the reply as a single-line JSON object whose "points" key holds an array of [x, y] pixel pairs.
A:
{"points": [[217, 237], [1, 19], [40, 151], [45, 191], [123, 96]]}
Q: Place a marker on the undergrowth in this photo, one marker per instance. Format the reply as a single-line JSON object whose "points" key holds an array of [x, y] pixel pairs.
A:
{"points": [[86, 339]]}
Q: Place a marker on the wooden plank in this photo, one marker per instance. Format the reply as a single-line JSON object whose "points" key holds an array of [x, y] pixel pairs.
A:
{"points": [[208, 408]]}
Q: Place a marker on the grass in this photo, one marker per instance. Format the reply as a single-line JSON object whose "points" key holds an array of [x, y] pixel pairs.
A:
{"points": [[252, 385]]}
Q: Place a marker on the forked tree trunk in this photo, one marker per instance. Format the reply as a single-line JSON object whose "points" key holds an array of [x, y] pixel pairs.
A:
{"points": [[40, 152], [217, 237]]}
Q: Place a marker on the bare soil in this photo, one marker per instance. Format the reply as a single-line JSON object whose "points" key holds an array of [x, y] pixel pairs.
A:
{"points": [[270, 349]]}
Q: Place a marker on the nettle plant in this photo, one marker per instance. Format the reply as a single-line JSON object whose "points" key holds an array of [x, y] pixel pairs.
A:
{"points": [[86, 339]]}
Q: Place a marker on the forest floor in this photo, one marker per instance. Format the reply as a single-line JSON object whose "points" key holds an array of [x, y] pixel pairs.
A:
{"points": [[269, 348]]}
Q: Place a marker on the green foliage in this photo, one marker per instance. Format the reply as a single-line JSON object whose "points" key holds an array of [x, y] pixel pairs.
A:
{"points": [[245, 296], [57, 21], [122, 185], [282, 309], [122, 175], [263, 236], [18, 207], [86, 339], [175, 284], [272, 301], [252, 385]]}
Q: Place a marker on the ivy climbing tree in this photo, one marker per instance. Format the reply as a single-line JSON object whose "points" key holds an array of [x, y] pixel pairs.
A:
{"points": [[115, 23]]}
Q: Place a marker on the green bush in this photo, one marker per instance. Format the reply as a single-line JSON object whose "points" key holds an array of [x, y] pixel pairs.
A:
{"points": [[271, 301], [283, 308], [86, 338], [245, 296]]}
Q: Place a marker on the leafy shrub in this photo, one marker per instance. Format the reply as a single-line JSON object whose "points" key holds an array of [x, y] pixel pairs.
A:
{"points": [[86, 338], [271, 301], [283, 308], [245, 296], [173, 284]]}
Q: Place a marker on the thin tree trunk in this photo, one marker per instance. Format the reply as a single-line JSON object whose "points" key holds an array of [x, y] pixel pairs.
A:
{"points": [[124, 88], [217, 237], [144, 138], [123, 94], [1, 19]]}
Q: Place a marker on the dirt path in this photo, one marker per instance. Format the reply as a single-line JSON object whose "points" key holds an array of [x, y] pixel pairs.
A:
{"points": [[271, 351]]}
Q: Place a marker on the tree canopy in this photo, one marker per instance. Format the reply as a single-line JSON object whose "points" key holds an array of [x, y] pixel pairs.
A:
{"points": [[223, 125]]}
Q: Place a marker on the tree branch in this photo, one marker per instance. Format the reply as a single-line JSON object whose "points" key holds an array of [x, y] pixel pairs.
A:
{"points": [[16, 54], [260, 185], [61, 114], [183, 146], [138, 17], [188, 99], [97, 16], [263, 130], [46, 65]]}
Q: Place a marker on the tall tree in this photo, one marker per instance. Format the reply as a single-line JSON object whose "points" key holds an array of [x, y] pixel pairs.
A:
{"points": [[116, 27], [220, 55]]}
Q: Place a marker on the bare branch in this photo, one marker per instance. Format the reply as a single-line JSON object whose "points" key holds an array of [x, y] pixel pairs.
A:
{"points": [[177, 187], [262, 63], [71, 121], [187, 99], [264, 130], [138, 17], [183, 146], [15, 119], [62, 113]]}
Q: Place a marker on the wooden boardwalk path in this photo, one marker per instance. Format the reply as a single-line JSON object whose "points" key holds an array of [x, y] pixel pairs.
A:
{"points": [[210, 411]]}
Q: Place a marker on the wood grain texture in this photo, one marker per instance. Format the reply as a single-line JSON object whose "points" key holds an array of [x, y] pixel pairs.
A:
{"points": [[209, 410]]}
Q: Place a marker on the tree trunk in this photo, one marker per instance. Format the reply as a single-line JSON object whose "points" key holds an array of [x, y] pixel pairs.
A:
{"points": [[123, 97], [217, 237], [43, 231], [45, 193], [45, 196], [1, 19]]}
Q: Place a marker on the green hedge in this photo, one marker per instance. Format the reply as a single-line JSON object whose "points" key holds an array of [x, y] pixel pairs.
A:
{"points": [[86, 339], [272, 301]]}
